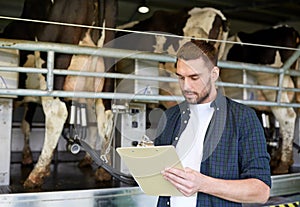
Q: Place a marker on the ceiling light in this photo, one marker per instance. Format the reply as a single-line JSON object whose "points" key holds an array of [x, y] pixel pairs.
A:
{"points": [[143, 8]]}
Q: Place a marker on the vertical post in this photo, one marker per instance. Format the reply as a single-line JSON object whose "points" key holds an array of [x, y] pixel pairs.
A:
{"points": [[50, 67], [5, 139]]}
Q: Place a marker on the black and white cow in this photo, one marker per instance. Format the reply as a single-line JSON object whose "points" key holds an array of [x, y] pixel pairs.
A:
{"points": [[280, 36], [81, 12]]}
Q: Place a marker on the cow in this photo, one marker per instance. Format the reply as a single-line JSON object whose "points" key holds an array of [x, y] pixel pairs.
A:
{"points": [[81, 12], [173, 29], [279, 36]]}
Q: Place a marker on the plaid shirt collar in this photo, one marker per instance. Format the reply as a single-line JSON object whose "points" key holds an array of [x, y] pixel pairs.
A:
{"points": [[215, 128]]}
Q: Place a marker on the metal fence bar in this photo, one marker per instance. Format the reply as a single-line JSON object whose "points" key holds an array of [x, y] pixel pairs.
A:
{"points": [[51, 48], [253, 86], [256, 68], [85, 50], [83, 94], [137, 77], [124, 96], [248, 67], [286, 67], [23, 69], [89, 74]]}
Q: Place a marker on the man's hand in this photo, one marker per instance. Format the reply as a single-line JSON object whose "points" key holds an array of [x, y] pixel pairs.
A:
{"points": [[187, 180]]}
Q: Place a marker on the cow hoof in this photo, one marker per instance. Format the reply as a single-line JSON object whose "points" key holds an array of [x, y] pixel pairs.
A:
{"points": [[85, 162], [282, 168], [36, 178], [102, 175], [31, 183]]}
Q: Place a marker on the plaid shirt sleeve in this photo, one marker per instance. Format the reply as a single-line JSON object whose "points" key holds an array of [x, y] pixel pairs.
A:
{"points": [[253, 156], [240, 153]]}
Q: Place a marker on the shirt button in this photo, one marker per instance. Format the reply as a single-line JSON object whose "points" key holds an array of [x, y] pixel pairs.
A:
{"points": [[168, 203], [185, 121], [176, 138], [183, 112]]}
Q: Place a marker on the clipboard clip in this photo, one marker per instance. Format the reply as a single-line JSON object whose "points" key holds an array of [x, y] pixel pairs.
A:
{"points": [[145, 142]]}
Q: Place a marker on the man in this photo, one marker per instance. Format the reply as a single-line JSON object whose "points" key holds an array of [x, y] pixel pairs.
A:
{"points": [[220, 142]]}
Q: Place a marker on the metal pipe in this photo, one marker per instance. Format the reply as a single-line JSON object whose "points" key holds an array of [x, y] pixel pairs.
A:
{"points": [[23, 69], [248, 67], [88, 74], [50, 66], [267, 103], [259, 87], [125, 96], [83, 94], [284, 68], [75, 49], [136, 77]]}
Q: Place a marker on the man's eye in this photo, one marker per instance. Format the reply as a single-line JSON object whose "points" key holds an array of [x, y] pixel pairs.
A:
{"points": [[195, 77]]}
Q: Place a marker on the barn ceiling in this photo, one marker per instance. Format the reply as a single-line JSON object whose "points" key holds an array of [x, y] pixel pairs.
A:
{"points": [[245, 15]]}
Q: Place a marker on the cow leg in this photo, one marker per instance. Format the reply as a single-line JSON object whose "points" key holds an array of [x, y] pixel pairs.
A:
{"points": [[26, 128], [55, 117], [26, 154], [104, 125], [286, 118]]}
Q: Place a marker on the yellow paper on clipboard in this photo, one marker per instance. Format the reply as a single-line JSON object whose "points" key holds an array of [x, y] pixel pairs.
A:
{"points": [[145, 165]]}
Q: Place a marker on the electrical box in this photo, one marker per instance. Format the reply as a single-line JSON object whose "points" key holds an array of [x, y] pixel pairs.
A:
{"points": [[130, 129]]}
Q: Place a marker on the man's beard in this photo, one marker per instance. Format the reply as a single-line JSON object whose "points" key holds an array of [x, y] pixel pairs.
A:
{"points": [[198, 99]]}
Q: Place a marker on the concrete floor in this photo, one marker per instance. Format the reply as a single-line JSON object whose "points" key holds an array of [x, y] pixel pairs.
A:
{"points": [[65, 175]]}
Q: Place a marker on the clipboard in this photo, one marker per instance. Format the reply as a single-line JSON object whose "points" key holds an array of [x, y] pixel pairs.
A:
{"points": [[145, 165]]}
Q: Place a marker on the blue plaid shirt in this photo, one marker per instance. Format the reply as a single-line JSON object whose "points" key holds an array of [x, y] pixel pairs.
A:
{"points": [[234, 145]]}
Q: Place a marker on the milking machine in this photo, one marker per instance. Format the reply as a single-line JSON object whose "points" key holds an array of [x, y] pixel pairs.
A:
{"points": [[77, 127], [129, 121], [75, 136], [272, 133], [273, 138]]}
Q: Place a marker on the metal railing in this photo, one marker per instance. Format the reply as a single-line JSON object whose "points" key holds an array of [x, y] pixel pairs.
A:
{"points": [[50, 71]]}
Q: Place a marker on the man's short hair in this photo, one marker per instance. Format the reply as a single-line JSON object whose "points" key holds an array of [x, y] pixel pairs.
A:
{"points": [[198, 48]]}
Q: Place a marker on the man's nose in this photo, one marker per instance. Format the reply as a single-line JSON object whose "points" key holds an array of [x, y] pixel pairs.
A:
{"points": [[187, 84]]}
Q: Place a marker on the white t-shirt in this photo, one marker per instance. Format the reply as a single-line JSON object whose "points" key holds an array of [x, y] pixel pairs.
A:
{"points": [[190, 146]]}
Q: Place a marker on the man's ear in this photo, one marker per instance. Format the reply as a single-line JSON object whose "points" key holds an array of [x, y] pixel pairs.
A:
{"points": [[215, 73]]}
